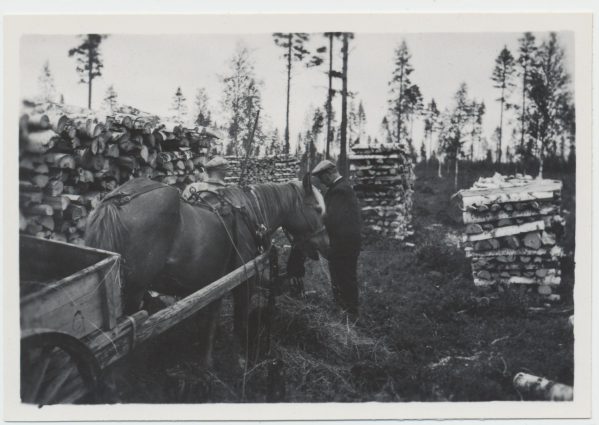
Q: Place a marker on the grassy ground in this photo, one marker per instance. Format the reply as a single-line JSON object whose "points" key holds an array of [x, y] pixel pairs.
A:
{"points": [[425, 332]]}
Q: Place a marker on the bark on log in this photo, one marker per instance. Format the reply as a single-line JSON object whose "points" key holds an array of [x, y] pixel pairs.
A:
{"points": [[538, 388], [41, 141], [58, 203]]}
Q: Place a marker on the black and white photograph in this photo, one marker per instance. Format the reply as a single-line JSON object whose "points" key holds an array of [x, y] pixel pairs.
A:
{"points": [[240, 215]]}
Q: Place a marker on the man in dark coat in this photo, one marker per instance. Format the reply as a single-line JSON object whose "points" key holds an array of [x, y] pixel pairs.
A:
{"points": [[343, 221]]}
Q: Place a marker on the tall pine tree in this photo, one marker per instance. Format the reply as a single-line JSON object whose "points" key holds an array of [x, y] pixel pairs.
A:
{"points": [[295, 51], [179, 107], [46, 83], [89, 61], [502, 76]]}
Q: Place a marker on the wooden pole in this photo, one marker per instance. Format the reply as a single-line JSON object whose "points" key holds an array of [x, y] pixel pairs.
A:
{"points": [[249, 149]]}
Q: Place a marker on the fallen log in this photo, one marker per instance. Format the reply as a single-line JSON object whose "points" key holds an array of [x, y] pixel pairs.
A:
{"points": [[538, 388]]}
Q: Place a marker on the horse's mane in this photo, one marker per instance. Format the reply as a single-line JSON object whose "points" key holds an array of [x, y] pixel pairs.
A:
{"points": [[273, 199]]}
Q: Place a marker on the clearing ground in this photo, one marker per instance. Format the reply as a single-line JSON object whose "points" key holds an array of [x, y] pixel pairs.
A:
{"points": [[425, 332]]}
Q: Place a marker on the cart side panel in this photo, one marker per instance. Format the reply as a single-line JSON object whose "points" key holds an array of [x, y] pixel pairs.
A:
{"points": [[78, 304]]}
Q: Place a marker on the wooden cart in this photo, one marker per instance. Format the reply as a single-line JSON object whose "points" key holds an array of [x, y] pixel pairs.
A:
{"points": [[72, 322]]}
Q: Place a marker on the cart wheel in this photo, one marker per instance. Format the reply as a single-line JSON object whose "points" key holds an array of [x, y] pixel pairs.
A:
{"points": [[51, 362]]}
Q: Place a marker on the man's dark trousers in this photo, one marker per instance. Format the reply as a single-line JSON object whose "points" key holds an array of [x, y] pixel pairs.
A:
{"points": [[344, 281], [344, 225]]}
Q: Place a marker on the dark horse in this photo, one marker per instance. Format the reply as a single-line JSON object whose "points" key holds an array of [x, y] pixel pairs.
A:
{"points": [[168, 242]]}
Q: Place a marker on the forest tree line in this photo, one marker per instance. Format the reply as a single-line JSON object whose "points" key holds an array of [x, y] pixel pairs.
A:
{"points": [[532, 84]]}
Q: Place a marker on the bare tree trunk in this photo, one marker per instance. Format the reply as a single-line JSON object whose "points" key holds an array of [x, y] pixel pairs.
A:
{"points": [[287, 145], [89, 77], [500, 130], [541, 157], [456, 172], [343, 149], [329, 99], [440, 175], [399, 107]]}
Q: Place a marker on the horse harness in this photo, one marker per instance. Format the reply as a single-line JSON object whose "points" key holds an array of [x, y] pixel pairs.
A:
{"points": [[224, 207]]}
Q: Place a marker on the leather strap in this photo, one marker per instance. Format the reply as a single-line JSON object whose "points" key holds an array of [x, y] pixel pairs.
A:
{"points": [[125, 197]]}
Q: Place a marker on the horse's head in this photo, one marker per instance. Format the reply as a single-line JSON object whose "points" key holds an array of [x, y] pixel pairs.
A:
{"points": [[306, 225]]}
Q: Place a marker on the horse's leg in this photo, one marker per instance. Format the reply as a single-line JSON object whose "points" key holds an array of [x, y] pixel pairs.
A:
{"points": [[208, 319], [242, 297]]}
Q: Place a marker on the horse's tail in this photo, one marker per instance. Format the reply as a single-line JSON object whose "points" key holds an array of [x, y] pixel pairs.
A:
{"points": [[105, 227]]}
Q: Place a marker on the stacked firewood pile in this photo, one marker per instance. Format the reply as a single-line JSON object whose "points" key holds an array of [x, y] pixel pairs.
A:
{"points": [[513, 230], [70, 157], [267, 169], [383, 179]]}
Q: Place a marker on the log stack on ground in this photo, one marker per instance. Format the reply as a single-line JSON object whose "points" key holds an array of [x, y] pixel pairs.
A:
{"points": [[513, 230], [71, 157], [266, 169], [383, 179]]}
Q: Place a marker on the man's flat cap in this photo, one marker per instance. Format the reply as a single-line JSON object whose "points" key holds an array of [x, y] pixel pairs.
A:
{"points": [[322, 167], [217, 163]]}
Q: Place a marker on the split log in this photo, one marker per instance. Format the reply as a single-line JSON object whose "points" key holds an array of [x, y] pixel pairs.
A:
{"points": [[58, 203], [555, 251], [40, 180], [505, 231], [513, 242], [112, 151], [42, 209], [541, 272], [54, 187], [42, 169], [58, 122], [85, 176], [46, 221], [538, 388], [41, 141], [82, 224], [75, 212], [27, 164], [505, 222], [63, 160], [26, 198], [92, 199], [127, 162], [548, 238], [473, 229], [537, 190], [83, 157], [97, 163], [532, 240], [22, 222]]}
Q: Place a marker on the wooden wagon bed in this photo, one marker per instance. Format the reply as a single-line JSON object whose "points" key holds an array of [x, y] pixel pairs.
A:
{"points": [[71, 305]]}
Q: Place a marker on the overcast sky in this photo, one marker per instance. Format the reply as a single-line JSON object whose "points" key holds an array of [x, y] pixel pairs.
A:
{"points": [[146, 71]]}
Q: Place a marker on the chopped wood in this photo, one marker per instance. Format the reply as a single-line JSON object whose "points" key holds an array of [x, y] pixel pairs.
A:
{"points": [[538, 388], [41, 141], [54, 187], [505, 231], [532, 240]]}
